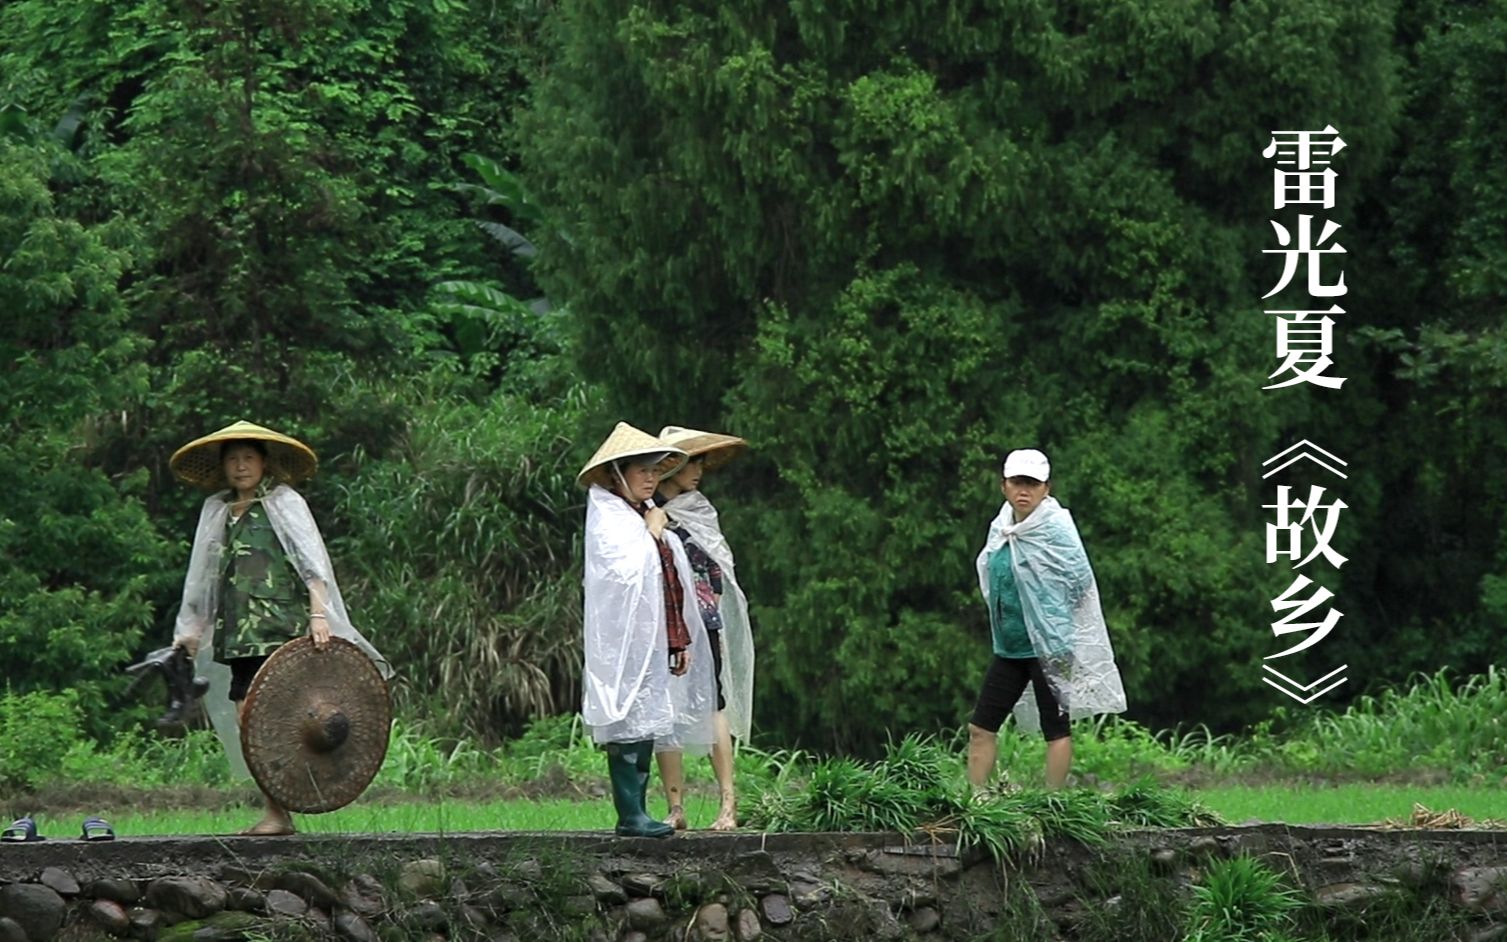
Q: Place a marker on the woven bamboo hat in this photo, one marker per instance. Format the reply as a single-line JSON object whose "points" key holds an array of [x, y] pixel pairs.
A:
{"points": [[315, 726], [628, 442], [198, 462], [717, 449]]}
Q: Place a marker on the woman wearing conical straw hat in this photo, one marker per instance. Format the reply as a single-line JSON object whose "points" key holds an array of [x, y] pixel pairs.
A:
{"points": [[258, 575], [724, 611], [647, 674]]}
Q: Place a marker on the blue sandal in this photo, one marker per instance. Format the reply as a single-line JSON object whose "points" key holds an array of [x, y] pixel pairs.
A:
{"points": [[98, 829], [21, 830]]}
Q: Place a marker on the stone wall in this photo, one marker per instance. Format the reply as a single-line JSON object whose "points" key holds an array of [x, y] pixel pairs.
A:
{"points": [[705, 887]]}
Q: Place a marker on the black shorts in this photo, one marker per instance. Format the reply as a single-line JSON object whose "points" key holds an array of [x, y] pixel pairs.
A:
{"points": [[242, 672], [1004, 683], [714, 639]]}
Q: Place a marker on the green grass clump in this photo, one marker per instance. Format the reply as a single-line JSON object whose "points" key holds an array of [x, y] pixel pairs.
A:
{"points": [[1146, 804], [1433, 723], [1242, 900], [920, 785]]}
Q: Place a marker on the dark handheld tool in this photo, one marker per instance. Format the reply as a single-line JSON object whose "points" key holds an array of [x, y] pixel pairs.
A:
{"points": [[183, 688]]}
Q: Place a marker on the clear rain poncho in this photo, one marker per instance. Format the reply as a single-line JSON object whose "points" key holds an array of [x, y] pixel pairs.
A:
{"points": [[695, 513], [200, 611], [1060, 600], [628, 693]]}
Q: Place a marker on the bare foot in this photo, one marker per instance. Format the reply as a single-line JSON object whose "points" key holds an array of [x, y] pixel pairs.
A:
{"points": [[676, 818], [270, 826], [727, 818]]}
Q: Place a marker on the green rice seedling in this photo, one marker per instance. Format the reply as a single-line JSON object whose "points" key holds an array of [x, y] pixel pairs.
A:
{"points": [[1079, 814], [887, 806], [752, 765], [843, 795], [1003, 830], [1146, 804], [918, 763], [768, 809], [1242, 900], [772, 801], [1127, 901]]}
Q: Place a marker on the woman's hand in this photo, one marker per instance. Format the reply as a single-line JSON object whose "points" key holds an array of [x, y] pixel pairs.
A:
{"points": [[189, 644], [656, 520], [680, 661], [319, 630]]}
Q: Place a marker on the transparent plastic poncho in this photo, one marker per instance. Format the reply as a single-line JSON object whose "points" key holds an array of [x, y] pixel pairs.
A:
{"points": [[1060, 601], [628, 693], [692, 511], [198, 615]]}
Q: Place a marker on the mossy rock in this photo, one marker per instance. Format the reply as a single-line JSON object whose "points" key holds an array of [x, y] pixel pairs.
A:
{"points": [[226, 922]]}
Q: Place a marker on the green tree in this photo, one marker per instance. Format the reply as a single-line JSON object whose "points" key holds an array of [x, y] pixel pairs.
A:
{"points": [[1433, 581], [74, 596], [286, 166]]}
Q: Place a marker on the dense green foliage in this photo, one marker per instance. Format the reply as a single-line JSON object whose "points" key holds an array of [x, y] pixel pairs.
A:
{"points": [[75, 558], [266, 210], [889, 243], [885, 242]]}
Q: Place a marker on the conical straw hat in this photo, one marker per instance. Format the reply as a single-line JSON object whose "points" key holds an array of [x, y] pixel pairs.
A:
{"points": [[198, 462], [626, 442], [717, 449], [315, 725]]}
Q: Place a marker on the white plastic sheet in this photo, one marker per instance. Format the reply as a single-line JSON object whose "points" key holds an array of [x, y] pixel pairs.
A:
{"points": [[628, 693], [692, 511], [1060, 600]]}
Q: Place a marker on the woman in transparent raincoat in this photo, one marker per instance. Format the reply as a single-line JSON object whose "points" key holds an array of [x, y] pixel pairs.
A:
{"points": [[724, 611], [1048, 630], [258, 575], [647, 674]]}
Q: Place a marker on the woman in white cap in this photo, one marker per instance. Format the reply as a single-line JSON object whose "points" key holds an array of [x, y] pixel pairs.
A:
{"points": [[724, 611], [641, 629], [1048, 630], [258, 575]]}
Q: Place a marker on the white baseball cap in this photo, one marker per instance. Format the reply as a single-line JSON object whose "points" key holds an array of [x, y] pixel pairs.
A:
{"points": [[1028, 463]]}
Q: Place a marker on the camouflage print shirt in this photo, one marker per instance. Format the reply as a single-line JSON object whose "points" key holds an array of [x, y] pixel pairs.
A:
{"points": [[263, 603]]}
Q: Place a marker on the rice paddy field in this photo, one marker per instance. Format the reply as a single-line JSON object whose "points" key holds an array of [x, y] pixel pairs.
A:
{"points": [[1431, 753], [1352, 803]]}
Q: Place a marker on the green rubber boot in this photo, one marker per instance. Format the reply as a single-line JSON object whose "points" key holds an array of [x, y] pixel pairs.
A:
{"points": [[645, 764], [629, 787]]}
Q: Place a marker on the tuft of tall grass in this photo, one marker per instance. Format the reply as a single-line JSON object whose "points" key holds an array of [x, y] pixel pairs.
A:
{"points": [[420, 763], [1242, 900], [1432, 723], [920, 785], [1146, 804]]}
